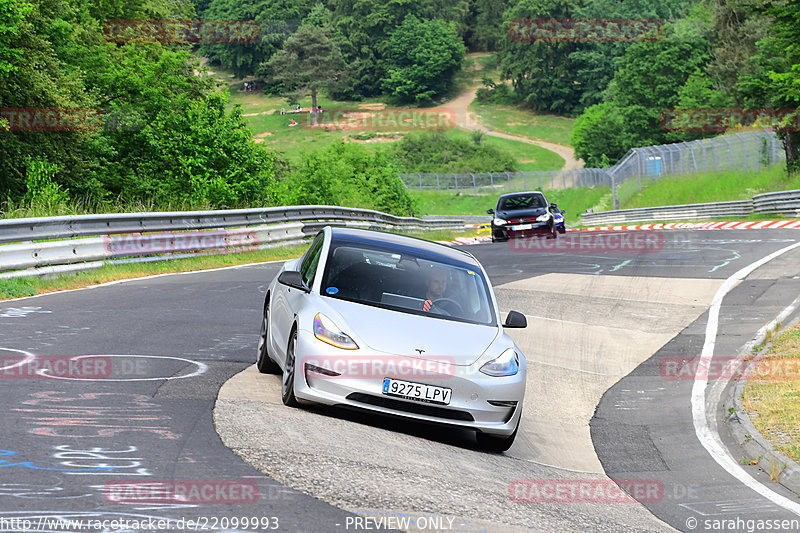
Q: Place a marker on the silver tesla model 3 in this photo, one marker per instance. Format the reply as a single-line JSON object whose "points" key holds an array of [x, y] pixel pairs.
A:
{"points": [[395, 325]]}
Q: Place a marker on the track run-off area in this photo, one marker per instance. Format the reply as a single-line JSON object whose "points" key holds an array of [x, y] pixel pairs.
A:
{"points": [[165, 393]]}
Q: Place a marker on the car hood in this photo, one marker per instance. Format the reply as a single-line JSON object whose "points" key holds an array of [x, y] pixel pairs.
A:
{"points": [[393, 332], [521, 213]]}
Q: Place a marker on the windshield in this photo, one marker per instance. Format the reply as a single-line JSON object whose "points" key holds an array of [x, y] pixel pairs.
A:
{"points": [[513, 203], [408, 284]]}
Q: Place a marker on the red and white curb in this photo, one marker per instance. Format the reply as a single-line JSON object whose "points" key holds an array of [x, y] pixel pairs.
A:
{"points": [[468, 240], [752, 224]]}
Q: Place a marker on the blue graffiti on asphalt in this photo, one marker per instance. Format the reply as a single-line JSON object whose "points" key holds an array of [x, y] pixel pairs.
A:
{"points": [[28, 464]]}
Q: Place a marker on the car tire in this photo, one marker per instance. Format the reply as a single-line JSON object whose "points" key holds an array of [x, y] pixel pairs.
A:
{"points": [[265, 364], [495, 443], [287, 382], [553, 232], [562, 230]]}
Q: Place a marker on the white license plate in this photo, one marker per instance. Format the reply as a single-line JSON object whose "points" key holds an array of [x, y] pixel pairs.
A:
{"points": [[416, 391], [521, 227]]}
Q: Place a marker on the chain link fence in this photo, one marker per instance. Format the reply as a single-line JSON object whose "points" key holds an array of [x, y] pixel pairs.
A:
{"points": [[748, 151]]}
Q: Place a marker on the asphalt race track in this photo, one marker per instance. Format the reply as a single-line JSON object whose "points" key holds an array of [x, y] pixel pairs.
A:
{"points": [[156, 353]]}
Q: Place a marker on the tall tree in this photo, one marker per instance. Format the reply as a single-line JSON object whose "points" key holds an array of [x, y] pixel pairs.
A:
{"points": [[776, 81], [308, 62], [276, 20], [422, 57], [540, 72]]}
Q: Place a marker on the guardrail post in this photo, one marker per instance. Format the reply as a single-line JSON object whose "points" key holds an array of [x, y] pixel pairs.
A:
{"points": [[491, 182], [639, 169], [420, 180], [705, 160], [474, 185], [456, 178], [730, 151], [774, 150], [438, 188], [614, 199], [744, 149]]}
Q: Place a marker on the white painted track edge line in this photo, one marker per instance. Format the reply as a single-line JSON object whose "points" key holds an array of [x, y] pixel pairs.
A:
{"points": [[708, 439]]}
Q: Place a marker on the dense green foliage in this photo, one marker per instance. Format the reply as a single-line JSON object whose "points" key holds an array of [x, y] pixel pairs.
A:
{"points": [[165, 138], [348, 174], [164, 135], [720, 54], [440, 152], [276, 20], [422, 57], [377, 42]]}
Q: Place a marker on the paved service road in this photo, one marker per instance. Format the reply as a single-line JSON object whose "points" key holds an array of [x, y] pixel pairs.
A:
{"points": [[170, 343]]}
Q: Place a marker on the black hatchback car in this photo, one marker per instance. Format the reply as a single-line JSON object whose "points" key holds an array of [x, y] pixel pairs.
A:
{"points": [[523, 214]]}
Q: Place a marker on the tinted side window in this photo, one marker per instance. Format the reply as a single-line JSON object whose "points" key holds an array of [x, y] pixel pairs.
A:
{"points": [[308, 268]]}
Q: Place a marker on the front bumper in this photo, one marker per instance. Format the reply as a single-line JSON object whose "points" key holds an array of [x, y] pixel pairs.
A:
{"points": [[521, 230], [361, 387]]}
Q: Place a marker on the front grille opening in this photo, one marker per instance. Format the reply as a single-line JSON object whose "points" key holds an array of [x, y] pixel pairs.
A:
{"points": [[408, 407]]}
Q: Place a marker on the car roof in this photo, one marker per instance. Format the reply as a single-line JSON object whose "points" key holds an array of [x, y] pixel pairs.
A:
{"points": [[524, 193], [379, 239]]}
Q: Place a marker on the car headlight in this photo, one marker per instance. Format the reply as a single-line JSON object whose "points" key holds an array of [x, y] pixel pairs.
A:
{"points": [[505, 365], [499, 222], [542, 218], [326, 331]]}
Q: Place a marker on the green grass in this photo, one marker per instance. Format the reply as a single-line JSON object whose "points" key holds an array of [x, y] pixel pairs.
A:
{"points": [[706, 187], [528, 156], [577, 201], [772, 394], [574, 201], [524, 123], [449, 203]]}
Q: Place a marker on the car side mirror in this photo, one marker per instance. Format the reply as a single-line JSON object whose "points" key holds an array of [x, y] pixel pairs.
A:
{"points": [[293, 279], [490, 211], [563, 212], [515, 319]]}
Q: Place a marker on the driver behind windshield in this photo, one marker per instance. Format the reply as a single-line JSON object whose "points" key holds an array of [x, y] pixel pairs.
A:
{"points": [[435, 285]]}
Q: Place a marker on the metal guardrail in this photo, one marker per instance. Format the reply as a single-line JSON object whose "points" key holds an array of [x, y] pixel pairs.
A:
{"points": [[783, 202], [83, 242], [71, 226]]}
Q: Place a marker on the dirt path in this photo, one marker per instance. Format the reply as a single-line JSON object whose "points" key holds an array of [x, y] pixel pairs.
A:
{"points": [[459, 106]]}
